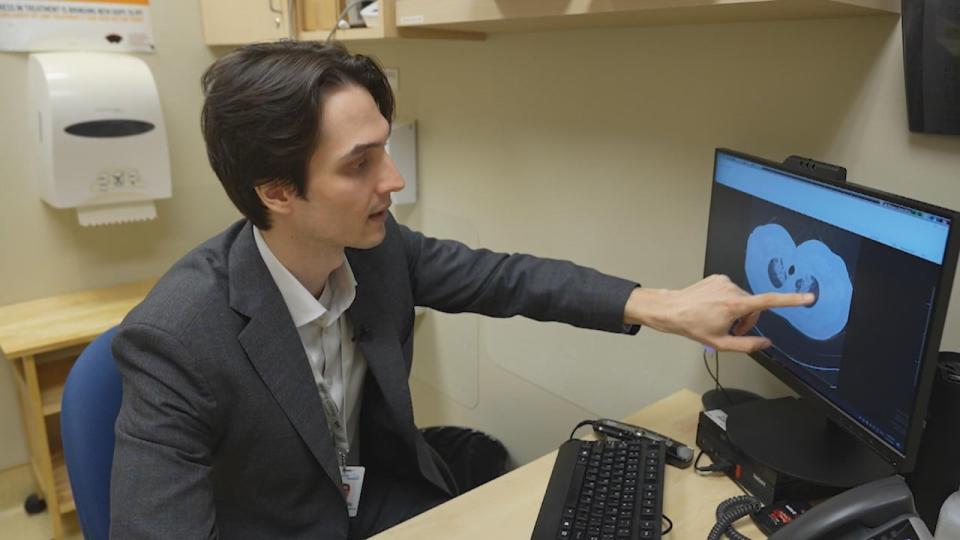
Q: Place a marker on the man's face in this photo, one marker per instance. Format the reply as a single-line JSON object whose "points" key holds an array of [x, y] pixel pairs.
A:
{"points": [[350, 175]]}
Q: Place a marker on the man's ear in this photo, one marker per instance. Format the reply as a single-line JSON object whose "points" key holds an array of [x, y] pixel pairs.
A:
{"points": [[276, 195]]}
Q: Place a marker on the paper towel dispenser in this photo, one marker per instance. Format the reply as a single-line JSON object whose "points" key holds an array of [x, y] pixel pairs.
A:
{"points": [[101, 145]]}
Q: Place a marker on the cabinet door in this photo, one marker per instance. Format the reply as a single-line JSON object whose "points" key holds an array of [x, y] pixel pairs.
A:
{"points": [[232, 22]]}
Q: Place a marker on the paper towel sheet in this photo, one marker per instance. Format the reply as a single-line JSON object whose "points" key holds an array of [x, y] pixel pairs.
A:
{"points": [[110, 214]]}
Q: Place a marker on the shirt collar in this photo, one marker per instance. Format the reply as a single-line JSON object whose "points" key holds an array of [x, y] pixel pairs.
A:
{"points": [[337, 296]]}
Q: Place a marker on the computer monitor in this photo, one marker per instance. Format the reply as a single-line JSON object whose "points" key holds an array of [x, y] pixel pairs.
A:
{"points": [[864, 354]]}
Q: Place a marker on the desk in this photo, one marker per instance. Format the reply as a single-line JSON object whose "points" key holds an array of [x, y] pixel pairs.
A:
{"points": [[506, 508], [42, 338]]}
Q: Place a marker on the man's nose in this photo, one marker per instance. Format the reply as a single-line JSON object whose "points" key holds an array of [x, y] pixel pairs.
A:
{"points": [[392, 180]]}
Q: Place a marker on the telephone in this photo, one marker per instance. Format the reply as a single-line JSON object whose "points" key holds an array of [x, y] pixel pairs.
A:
{"points": [[881, 510]]}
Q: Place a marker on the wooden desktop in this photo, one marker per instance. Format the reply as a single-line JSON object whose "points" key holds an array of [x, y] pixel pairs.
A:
{"points": [[507, 507]]}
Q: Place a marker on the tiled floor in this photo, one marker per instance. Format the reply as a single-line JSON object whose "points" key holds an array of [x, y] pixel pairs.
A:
{"points": [[15, 524]]}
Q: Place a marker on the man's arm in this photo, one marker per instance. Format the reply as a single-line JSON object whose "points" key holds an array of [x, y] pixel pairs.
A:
{"points": [[160, 485], [451, 277]]}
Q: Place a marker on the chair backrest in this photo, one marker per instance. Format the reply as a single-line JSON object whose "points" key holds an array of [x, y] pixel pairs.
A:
{"points": [[91, 402]]}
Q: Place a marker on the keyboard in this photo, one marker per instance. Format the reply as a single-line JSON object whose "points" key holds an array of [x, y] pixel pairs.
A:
{"points": [[604, 490]]}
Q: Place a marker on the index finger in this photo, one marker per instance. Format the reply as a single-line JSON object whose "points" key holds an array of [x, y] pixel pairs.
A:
{"points": [[771, 300]]}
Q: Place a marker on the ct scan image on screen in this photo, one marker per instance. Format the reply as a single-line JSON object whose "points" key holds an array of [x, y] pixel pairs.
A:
{"points": [[788, 253]]}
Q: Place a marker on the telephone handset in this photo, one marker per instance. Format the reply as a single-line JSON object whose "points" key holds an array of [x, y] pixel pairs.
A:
{"points": [[881, 510]]}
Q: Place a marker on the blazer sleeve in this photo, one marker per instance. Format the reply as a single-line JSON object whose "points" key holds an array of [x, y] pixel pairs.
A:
{"points": [[160, 485], [449, 276]]}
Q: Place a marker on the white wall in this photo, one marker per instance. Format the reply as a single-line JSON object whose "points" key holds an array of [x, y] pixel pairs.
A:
{"points": [[594, 146]]}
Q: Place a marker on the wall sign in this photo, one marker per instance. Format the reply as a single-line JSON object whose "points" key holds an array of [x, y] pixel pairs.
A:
{"points": [[75, 25]]}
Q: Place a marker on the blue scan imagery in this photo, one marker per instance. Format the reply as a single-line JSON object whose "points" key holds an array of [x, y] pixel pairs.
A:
{"points": [[775, 263]]}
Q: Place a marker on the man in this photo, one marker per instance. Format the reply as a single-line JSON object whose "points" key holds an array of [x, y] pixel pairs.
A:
{"points": [[271, 363]]}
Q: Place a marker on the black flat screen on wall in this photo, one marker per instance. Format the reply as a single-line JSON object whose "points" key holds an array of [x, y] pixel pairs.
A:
{"points": [[931, 63]]}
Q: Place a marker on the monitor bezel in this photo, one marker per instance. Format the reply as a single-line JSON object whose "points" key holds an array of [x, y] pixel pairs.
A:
{"points": [[902, 461]]}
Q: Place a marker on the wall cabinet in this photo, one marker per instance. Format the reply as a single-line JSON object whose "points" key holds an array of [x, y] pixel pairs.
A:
{"points": [[386, 29], [42, 338], [235, 22], [232, 22]]}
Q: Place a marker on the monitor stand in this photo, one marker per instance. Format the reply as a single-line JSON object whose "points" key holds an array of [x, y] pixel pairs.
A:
{"points": [[725, 398], [792, 437]]}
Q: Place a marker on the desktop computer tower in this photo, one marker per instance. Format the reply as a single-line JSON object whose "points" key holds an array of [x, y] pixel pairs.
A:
{"points": [[936, 474], [931, 64]]}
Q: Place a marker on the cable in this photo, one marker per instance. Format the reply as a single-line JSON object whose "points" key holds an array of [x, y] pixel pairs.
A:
{"points": [[343, 15], [580, 425], [669, 524], [730, 511], [716, 378], [719, 465]]}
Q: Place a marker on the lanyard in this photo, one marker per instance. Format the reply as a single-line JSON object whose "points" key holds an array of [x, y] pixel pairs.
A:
{"points": [[336, 415]]}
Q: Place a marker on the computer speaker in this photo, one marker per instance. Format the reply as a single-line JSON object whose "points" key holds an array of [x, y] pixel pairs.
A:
{"points": [[931, 64]]}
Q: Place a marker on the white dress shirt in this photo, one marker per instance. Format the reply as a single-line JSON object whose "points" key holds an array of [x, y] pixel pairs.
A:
{"points": [[338, 367]]}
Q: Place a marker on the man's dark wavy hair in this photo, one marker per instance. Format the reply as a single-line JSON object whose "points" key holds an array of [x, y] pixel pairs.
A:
{"points": [[262, 112]]}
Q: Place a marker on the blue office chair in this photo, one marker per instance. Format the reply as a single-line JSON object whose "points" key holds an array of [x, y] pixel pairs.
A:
{"points": [[91, 401]]}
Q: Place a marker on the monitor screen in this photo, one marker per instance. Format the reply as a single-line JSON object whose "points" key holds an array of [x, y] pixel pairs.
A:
{"points": [[875, 263]]}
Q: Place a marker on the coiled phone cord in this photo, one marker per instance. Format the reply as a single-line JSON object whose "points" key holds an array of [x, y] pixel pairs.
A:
{"points": [[731, 510]]}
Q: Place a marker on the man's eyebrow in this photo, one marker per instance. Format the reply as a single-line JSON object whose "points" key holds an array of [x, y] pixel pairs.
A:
{"points": [[360, 149]]}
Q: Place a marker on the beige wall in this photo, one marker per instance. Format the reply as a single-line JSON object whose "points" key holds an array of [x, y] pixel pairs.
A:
{"points": [[594, 146], [45, 251]]}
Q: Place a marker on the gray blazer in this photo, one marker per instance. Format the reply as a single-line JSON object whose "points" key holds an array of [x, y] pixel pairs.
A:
{"points": [[221, 430]]}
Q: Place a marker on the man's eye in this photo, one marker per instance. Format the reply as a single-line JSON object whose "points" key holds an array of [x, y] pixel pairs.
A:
{"points": [[360, 165]]}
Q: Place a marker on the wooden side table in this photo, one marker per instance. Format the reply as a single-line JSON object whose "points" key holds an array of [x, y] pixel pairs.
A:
{"points": [[42, 338]]}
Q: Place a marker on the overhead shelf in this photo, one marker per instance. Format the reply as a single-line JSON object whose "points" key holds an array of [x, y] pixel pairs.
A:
{"points": [[499, 16], [366, 34]]}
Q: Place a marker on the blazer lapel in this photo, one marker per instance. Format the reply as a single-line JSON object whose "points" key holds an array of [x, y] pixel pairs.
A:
{"points": [[273, 346], [378, 341], [377, 337]]}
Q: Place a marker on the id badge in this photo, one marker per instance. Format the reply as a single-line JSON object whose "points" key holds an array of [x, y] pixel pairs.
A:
{"points": [[352, 484]]}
